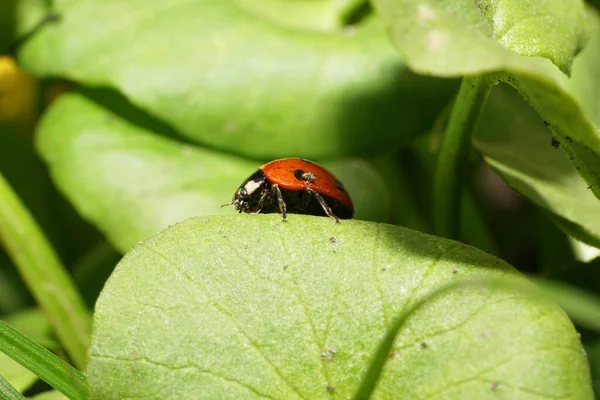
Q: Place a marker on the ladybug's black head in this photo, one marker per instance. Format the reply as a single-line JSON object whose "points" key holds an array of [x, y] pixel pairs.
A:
{"points": [[241, 200], [246, 198]]}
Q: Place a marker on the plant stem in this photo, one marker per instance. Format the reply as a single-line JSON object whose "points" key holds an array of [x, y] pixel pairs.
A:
{"points": [[44, 274], [453, 154]]}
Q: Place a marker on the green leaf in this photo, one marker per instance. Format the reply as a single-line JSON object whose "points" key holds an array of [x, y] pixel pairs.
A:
{"points": [[8, 392], [19, 18], [33, 324], [132, 183], [582, 306], [248, 307], [47, 366], [27, 175], [15, 374], [321, 15], [51, 395], [455, 38], [262, 90], [29, 178], [462, 37], [522, 152], [44, 274]]}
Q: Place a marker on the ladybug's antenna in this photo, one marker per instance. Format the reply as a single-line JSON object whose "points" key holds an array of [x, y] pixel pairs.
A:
{"points": [[225, 205]]}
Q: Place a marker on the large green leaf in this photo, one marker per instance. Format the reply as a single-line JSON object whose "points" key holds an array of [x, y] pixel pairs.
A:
{"points": [[225, 76], [132, 183], [249, 307], [461, 37]]}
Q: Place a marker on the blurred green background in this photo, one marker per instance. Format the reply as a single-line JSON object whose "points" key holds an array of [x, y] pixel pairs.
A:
{"points": [[108, 141]]}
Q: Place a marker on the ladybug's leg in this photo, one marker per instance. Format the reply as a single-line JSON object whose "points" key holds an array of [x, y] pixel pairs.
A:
{"points": [[261, 201], [323, 204], [281, 202]]}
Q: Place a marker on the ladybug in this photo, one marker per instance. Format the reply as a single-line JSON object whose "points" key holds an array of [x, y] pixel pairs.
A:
{"points": [[296, 186]]}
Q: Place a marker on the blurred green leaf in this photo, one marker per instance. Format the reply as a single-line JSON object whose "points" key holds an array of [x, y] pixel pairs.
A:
{"points": [[227, 77], [15, 374], [47, 366], [27, 175], [249, 307], [33, 324], [51, 395], [132, 183], [515, 142], [44, 274], [319, 15], [18, 18], [460, 37], [8, 392]]}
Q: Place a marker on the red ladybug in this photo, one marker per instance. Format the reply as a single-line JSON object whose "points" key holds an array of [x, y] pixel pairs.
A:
{"points": [[293, 185]]}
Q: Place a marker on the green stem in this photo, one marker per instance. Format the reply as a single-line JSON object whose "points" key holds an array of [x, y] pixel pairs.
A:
{"points": [[453, 155], [44, 274]]}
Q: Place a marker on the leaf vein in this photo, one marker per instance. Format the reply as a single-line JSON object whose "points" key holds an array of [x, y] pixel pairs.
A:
{"points": [[377, 274], [223, 311], [488, 369], [185, 366], [320, 344]]}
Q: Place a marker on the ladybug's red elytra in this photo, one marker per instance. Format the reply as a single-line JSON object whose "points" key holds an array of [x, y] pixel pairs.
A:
{"points": [[296, 186]]}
